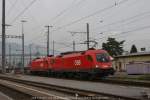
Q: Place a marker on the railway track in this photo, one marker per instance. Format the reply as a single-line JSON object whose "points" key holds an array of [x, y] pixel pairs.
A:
{"points": [[126, 82], [12, 93], [37, 90], [111, 80], [7, 93], [20, 91]]}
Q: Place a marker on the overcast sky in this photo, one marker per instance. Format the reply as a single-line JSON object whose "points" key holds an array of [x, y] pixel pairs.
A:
{"points": [[127, 20]]}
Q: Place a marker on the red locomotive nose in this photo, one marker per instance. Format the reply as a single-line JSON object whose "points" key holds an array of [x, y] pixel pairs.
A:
{"points": [[103, 61], [104, 65]]}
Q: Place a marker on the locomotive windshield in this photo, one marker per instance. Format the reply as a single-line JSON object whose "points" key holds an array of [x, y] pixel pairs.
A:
{"points": [[103, 57]]}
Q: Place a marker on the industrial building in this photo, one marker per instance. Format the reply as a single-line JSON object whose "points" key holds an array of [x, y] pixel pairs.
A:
{"points": [[120, 62]]}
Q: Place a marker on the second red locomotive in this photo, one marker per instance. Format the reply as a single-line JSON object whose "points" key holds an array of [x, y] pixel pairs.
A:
{"points": [[90, 63]]}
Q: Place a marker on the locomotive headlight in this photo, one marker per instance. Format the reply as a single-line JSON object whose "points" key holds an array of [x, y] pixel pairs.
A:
{"points": [[105, 66], [96, 66]]}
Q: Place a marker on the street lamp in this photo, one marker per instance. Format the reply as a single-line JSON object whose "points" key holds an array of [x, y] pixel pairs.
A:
{"points": [[23, 21]]}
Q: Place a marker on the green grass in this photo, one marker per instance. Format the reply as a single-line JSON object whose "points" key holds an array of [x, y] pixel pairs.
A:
{"points": [[145, 77]]}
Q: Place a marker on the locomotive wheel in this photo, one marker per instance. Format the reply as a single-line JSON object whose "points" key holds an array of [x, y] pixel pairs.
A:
{"points": [[71, 75], [31, 72], [53, 74], [91, 76], [49, 73], [79, 76], [59, 74], [83, 76]]}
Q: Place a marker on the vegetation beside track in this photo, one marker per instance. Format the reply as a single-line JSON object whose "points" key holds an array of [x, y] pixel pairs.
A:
{"points": [[145, 77], [134, 80]]}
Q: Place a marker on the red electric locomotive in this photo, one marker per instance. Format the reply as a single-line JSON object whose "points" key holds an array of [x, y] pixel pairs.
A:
{"points": [[90, 63]]}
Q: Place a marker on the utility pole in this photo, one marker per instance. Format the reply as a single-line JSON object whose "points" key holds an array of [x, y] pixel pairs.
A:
{"points": [[74, 45], [14, 63], [87, 36], [3, 37], [30, 47], [23, 21], [48, 39], [9, 55], [53, 47]]}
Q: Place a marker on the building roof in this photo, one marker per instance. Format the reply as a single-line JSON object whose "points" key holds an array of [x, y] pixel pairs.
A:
{"points": [[134, 54]]}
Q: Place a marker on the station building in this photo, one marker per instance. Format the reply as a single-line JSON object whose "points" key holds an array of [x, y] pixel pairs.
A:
{"points": [[120, 62]]}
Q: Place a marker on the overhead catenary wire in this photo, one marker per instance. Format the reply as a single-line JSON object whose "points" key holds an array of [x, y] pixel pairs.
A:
{"points": [[137, 29], [63, 11], [12, 7], [65, 44], [116, 34], [37, 37], [40, 49], [60, 13], [105, 9], [125, 32], [99, 11], [132, 21], [23, 11], [61, 43], [31, 14], [13, 4], [43, 47], [115, 4], [125, 20], [58, 43], [67, 9], [93, 14]]}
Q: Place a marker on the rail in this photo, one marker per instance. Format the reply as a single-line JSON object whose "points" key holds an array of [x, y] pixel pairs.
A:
{"points": [[69, 91]]}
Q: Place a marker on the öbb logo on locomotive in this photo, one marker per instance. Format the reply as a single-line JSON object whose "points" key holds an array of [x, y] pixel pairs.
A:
{"points": [[77, 62]]}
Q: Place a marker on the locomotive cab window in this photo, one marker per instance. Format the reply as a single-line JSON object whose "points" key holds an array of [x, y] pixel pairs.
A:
{"points": [[102, 57], [89, 58]]}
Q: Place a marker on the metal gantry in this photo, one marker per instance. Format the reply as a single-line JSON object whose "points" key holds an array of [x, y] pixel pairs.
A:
{"points": [[73, 33], [88, 41], [4, 58]]}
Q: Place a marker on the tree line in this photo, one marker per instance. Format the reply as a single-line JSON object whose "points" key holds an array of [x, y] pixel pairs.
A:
{"points": [[115, 48]]}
